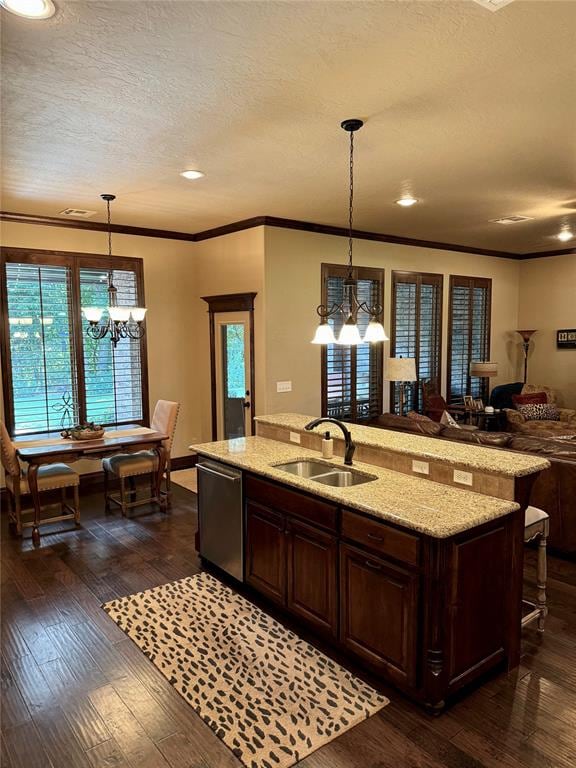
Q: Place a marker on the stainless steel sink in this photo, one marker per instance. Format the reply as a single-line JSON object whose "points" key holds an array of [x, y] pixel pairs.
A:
{"points": [[343, 478], [327, 474], [305, 468]]}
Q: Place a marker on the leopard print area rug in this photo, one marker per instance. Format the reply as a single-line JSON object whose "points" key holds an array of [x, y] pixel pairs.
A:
{"points": [[271, 697]]}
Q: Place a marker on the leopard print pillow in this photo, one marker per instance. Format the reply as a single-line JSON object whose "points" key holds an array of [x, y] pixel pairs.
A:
{"points": [[540, 412]]}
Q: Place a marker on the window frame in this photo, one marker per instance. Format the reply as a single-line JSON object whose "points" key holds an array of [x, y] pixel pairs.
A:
{"points": [[75, 261], [418, 279], [358, 273], [470, 282]]}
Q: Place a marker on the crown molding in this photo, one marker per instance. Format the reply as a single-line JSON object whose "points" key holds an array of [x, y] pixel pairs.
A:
{"points": [[271, 221], [94, 226]]}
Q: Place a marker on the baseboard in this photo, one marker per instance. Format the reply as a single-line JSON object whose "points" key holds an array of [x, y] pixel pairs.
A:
{"points": [[183, 462]]}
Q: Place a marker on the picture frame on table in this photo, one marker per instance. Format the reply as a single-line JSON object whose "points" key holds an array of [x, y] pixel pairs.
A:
{"points": [[469, 402], [479, 404]]}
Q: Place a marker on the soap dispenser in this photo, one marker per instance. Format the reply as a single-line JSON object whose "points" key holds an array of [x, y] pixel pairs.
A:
{"points": [[327, 446]]}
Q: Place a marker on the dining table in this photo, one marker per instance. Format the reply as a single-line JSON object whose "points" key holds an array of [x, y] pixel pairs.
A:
{"points": [[37, 450]]}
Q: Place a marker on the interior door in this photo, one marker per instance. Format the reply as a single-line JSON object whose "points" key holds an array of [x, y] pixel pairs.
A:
{"points": [[233, 366]]}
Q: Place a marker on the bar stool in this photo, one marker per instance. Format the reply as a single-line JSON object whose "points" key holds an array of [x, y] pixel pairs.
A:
{"points": [[536, 524]]}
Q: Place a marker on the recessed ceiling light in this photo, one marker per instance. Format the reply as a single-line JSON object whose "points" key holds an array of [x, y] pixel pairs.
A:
{"points": [[30, 9], [406, 201], [192, 174], [565, 235]]}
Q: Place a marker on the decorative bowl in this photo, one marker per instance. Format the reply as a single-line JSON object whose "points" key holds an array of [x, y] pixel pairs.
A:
{"points": [[86, 433]]}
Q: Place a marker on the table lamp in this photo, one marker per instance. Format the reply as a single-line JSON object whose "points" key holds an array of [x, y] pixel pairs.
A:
{"points": [[483, 369], [401, 369]]}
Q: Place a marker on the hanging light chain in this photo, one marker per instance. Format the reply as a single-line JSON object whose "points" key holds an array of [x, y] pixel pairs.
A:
{"points": [[351, 204]]}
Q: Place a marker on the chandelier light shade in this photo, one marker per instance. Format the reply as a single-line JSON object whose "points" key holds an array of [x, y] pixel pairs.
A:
{"points": [[350, 306], [122, 322]]}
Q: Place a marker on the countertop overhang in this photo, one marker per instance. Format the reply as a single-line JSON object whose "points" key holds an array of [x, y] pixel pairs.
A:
{"points": [[420, 505]]}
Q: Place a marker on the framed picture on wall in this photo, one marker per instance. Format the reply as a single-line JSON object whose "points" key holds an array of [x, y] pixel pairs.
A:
{"points": [[566, 338]]}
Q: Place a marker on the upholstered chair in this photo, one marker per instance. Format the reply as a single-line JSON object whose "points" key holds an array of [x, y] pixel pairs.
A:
{"points": [[128, 466], [50, 477]]}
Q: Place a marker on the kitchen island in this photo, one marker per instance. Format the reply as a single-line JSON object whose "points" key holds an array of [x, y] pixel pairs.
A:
{"points": [[418, 581]]}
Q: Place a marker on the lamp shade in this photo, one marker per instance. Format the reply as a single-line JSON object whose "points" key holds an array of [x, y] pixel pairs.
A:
{"points": [[324, 334], [400, 369], [483, 370], [526, 334]]}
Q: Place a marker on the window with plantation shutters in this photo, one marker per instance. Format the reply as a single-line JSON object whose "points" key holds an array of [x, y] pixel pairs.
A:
{"points": [[112, 375], [54, 375], [468, 335], [416, 332], [41, 345], [351, 375]]}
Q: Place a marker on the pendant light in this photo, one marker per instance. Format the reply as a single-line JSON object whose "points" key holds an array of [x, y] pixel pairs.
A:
{"points": [[350, 305], [122, 322]]}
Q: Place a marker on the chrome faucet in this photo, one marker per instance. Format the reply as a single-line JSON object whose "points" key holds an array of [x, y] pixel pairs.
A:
{"points": [[350, 447]]}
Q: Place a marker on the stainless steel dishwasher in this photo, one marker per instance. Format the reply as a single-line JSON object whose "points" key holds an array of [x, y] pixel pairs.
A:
{"points": [[220, 516]]}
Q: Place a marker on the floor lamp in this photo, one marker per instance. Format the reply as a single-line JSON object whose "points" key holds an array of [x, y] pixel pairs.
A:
{"points": [[401, 369], [526, 335]]}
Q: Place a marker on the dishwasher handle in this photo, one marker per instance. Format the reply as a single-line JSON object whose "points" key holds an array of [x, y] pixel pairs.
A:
{"points": [[231, 478]]}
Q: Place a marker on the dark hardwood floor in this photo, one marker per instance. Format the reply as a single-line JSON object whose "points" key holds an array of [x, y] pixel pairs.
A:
{"points": [[76, 693]]}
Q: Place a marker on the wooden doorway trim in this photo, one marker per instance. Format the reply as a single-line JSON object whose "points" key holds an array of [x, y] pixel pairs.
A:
{"points": [[229, 302]]}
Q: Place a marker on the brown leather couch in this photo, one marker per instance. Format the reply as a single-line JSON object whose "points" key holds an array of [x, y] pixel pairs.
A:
{"points": [[554, 490]]}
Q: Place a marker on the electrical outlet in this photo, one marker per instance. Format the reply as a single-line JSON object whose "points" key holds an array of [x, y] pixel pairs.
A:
{"points": [[421, 467], [295, 437], [464, 478], [283, 386]]}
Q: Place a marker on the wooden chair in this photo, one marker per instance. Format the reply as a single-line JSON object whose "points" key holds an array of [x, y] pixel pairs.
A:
{"points": [[536, 525], [128, 466], [50, 477]]}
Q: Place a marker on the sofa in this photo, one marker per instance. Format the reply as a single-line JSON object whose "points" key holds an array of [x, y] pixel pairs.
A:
{"points": [[565, 425], [554, 490]]}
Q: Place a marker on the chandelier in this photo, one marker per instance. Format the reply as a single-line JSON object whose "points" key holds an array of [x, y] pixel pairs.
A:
{"points": [[350, 306], [122, 322]]}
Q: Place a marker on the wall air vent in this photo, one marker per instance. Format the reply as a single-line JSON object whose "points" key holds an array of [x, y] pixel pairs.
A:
{"points": [[511, 219], [79, 213], [493, 5]]}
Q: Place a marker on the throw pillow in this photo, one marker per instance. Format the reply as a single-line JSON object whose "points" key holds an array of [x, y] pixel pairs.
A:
{"points": [[448, 421], [540, 412], [533, 398], [415, 416]]}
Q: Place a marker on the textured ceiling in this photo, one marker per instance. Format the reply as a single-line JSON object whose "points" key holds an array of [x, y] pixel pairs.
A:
{"points": [[473, 112]]}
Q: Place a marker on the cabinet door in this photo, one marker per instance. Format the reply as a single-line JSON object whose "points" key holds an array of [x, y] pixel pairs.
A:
{"points": [[378, 612], [312, 589], [266, 551]]}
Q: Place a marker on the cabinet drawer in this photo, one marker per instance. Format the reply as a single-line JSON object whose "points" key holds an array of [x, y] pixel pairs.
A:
{"points": [[381, 537], [292, 502]]}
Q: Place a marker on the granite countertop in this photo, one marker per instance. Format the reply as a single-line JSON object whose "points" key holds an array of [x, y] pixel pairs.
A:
{"points": [[478, 457], [421, 505]]}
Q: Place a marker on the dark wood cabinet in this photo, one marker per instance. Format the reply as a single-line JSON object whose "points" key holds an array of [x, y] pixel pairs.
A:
{"points": [[378, 619], [266, 551], [429, 614], [312, 569]]}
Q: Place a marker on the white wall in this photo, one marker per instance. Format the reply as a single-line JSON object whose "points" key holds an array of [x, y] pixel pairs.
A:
{"points": [[548, 303], [293, 289]]}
